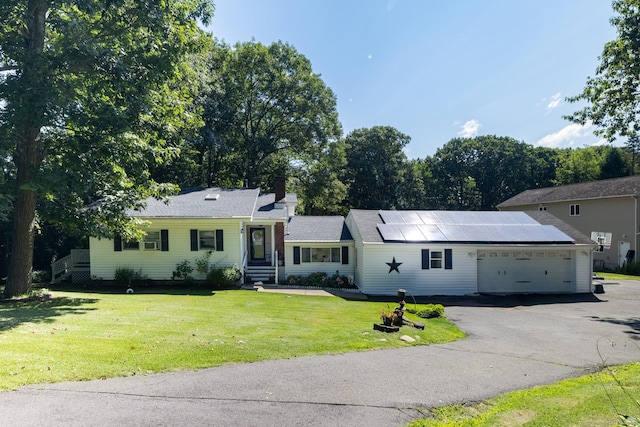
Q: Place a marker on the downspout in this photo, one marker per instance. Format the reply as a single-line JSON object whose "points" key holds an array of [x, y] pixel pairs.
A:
{"points": [[635, 223]]}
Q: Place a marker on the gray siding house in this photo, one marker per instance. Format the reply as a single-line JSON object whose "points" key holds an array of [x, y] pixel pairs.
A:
{"points": [[606, 211]]}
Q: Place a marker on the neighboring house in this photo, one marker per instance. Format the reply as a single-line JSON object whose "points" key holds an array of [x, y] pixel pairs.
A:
{"points": [[605, 210], [423, 252], [460, 253]]}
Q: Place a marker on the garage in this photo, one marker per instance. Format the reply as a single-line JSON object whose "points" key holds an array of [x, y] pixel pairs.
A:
{"points": [[527, 270]]}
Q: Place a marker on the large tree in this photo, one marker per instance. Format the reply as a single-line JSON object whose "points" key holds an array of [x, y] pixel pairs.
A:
{"points": [[267, 112], [613, 95], [376, 167], [88, 95]]}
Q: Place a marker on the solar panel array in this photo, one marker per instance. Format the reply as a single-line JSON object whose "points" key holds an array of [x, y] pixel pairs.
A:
{"points": [[454, 226]]}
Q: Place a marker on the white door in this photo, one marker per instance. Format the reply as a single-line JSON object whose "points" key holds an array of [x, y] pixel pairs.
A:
{"points": [[623, 247]]}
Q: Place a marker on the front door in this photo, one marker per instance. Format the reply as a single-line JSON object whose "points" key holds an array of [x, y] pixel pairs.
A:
{"points": [[623, 248], [257, 245]]}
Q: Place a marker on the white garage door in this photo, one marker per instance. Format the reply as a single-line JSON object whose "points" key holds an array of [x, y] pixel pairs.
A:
{"points": [[525, 271]]}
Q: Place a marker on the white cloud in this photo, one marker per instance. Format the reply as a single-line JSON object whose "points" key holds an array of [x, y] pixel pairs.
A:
{"points": [[566, 136], [555, 102], [370, 56], [470, 128]]}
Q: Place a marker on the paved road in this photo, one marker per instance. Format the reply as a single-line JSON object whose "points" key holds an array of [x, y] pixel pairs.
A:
{"points": [[513, 343]]}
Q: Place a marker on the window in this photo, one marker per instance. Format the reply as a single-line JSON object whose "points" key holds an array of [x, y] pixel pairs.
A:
{"points": [[434, 259], [321, 255], [311, 255], [207, 240], [152, 241], [575, 210], [130, 246]]}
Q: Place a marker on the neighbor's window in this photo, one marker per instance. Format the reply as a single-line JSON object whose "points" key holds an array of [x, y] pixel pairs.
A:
{"points": [[207, 239], [152, 241], [320, 254], [575, 210], [436, 259]]}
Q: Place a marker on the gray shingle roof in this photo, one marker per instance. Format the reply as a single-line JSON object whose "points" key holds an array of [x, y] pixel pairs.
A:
{"points": [[614, 187], [367, 223], [194, 203], [317, 229]]}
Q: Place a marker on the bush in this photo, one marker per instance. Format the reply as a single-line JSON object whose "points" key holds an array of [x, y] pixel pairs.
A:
{"points": [[183, 270], [129, 277], [431, 311], [318, 279], [41, 276], [631, 268], [223, 277]]}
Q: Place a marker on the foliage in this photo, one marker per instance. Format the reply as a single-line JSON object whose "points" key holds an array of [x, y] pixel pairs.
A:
{"points": [[266, 111], [91, 335], [183, 270], [612, 95], [321, 280], [41, 276], [630, 268], [127, 276], [92, 93], [431, 311], [223, 277], [202, 263], [375, 169]]}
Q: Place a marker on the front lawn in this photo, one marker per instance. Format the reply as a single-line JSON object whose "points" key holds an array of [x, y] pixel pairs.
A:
{"points": [[610, 397], [81, 336]]}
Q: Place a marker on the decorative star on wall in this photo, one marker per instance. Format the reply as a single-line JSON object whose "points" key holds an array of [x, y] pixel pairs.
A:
{"points": [[394, 265]]}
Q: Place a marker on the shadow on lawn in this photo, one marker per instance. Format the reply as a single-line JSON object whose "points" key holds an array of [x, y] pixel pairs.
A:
{"points": [[14, 313]]}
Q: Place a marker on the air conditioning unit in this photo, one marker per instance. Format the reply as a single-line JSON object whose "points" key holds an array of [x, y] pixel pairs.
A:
{"points": [[152, 246]]}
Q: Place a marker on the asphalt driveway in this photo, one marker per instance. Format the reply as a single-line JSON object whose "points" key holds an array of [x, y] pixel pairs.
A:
{"points": [[513, 343]]}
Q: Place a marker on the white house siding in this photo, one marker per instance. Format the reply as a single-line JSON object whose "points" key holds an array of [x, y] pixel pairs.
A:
{"points": [[159, 265], [358, 260], [378, 280], [584, 271], [306, 268]]}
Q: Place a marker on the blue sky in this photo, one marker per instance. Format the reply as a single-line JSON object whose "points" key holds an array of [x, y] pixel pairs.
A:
{"points": [[437, 70]]}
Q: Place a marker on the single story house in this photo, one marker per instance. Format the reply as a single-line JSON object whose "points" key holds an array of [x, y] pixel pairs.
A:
{"points": [[423, 252], [607, 211], [461, 253]]}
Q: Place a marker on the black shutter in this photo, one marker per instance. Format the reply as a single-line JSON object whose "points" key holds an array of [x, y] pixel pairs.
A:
{"points": [[345, 254], [117, 243], [425, 259], [194, 240], [164, 240], [219, 240], [296, 254], [448, 259]]}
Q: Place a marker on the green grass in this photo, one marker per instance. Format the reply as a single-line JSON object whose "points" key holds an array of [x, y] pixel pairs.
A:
{"points": [[81, 336], [616, 276], [593, 400]]}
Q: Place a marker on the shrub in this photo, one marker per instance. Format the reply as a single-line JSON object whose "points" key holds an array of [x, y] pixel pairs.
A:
{"points": [[431, 311], [129, 277], [223, 277], [631, 268], [202, 264], [183, 270], [41, 276], [318, 279]]}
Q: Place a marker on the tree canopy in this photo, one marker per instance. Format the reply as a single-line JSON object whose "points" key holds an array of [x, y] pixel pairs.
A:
{"points": [[91, 96]]}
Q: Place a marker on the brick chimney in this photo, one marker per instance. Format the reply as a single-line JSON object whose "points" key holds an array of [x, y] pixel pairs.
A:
{"points": [[279, 187]]}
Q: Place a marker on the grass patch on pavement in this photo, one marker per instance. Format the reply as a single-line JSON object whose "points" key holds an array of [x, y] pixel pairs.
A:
{"points": [[82, 336], [610, 397]]}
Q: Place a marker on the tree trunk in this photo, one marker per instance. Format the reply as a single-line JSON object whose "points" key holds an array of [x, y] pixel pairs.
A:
{"points": [[28, 153]]}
